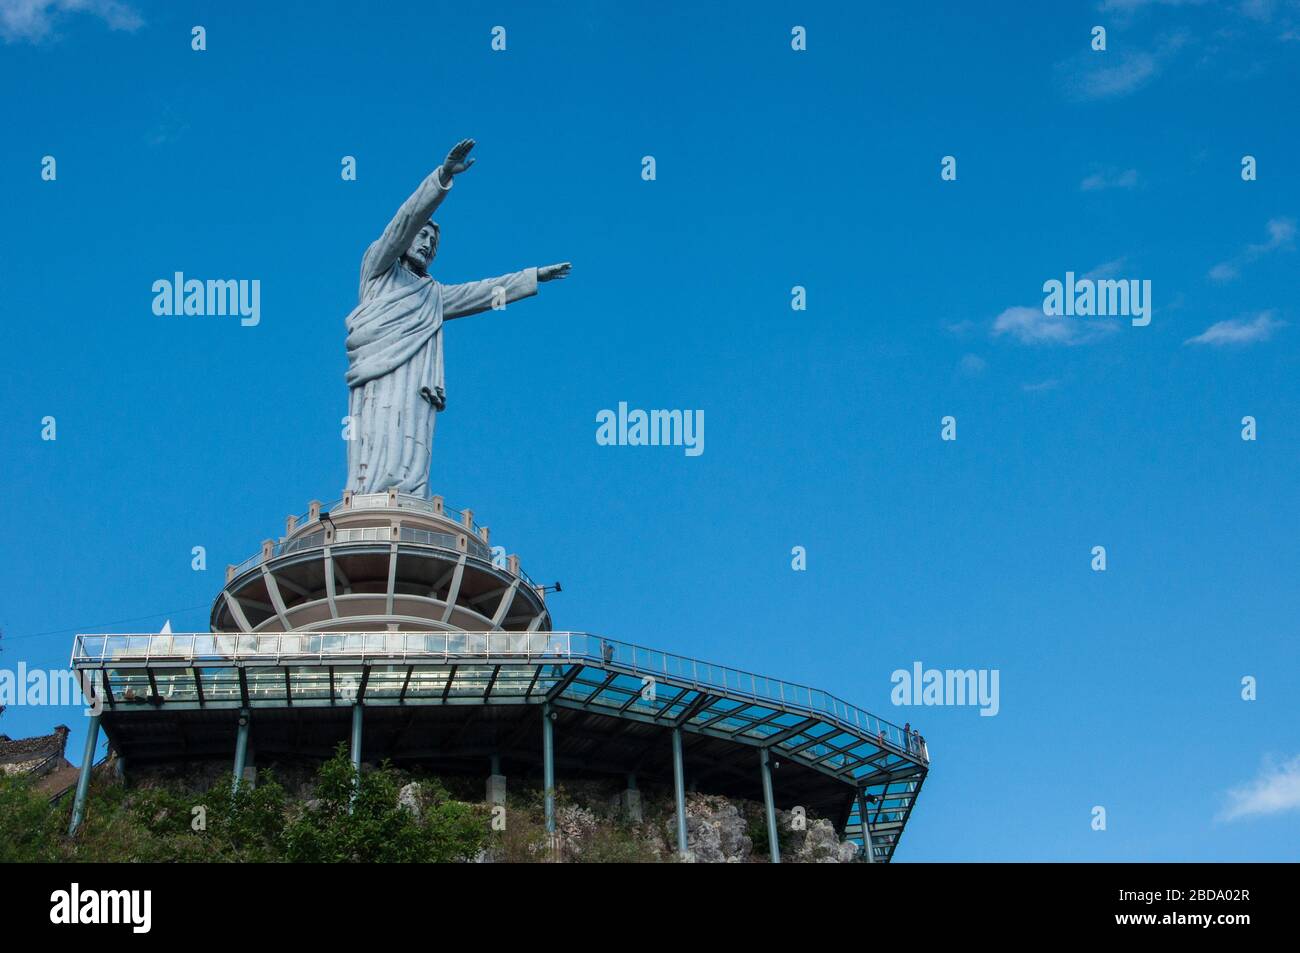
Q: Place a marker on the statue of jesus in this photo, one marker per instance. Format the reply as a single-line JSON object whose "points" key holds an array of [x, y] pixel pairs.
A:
{"points": [[395, 369]]}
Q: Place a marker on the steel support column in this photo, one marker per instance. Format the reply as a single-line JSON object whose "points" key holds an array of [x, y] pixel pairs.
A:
{"points": [[356, 738], [679, 790], [766, 767], [356, 749], [548, 767], [83, 780], [863, 811], [241, 749], [496, 783]]}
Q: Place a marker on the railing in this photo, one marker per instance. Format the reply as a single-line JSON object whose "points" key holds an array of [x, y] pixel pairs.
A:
{"points": [[368, 501], [405, 501], [40, 768], [310, 541], [247, 564], [211, 648], [363, 534], [428, 537]]}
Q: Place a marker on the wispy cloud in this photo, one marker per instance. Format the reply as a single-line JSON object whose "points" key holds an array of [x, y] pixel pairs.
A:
{"points": [[1050, 384], [1281, 231], [1094, 75], [972, 365], [1110, 179], [1131, 72], [1132, 6], [1261, 10], [1107, 269], [1239, 331], [31, 21], [171, 126], [1274, 791], [1032, 326], [1281, 237], [1224, 271]]}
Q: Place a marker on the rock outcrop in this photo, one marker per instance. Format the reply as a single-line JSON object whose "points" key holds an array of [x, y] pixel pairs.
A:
{"points": [[722, 831]]}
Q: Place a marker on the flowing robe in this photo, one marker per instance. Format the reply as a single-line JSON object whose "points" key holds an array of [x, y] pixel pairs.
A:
{"points": [[394, 343]]}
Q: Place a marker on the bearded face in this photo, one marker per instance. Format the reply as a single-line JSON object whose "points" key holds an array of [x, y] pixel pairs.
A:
{"points": [[422, 249]]}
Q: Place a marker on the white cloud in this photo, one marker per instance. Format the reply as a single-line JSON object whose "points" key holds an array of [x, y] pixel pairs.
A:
{"points": [[1092, 75], [1032, 326], [1281, 237], [1050, 384], [972, 365], [34, 20], [1281, 231], [1110, 179], [1107, 269], [1130, 73], [1239, 331], [1275, 790], [1129, 6], [1261, 10], [1224, 271]]}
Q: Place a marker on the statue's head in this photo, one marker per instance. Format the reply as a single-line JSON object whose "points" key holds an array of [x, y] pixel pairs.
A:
{"points": [[422, 249]]}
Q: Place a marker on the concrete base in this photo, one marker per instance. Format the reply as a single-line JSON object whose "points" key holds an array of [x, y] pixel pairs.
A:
{"points": [[496, 789]]}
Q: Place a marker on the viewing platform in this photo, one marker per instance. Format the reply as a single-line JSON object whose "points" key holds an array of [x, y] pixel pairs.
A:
{"points": [[390, 622], [457, 701]]}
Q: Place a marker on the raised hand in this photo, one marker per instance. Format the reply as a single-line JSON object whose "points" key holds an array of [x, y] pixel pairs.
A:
{"points": [[457, 160], [551, 272]]}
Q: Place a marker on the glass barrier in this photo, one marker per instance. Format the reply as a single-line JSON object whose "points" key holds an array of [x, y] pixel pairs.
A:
{"points": [[206, 651]]}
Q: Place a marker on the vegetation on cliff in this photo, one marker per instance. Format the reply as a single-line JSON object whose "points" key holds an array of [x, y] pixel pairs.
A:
{"points": [[385, 815]]}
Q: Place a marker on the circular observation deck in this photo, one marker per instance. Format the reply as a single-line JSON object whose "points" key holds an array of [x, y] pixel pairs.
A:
{"points": [[380, 562]]}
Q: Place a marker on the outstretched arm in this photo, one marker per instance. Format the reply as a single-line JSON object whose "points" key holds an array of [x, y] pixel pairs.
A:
{"points": [[415, 211], [473, 297]]}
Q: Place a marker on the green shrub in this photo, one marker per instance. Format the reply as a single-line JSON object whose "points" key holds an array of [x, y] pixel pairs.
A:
{"points": [[360, 821], [165, 822], [29, 827]]}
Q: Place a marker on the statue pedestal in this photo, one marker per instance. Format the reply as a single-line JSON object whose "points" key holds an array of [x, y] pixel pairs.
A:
{"points": [[380, 562]]}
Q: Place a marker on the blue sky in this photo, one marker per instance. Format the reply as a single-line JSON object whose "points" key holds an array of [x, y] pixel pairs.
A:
{"points": [[775, 168]]}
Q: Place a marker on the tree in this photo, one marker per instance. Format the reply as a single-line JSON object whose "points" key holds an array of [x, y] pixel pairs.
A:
{"points": [[357, 819]]}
